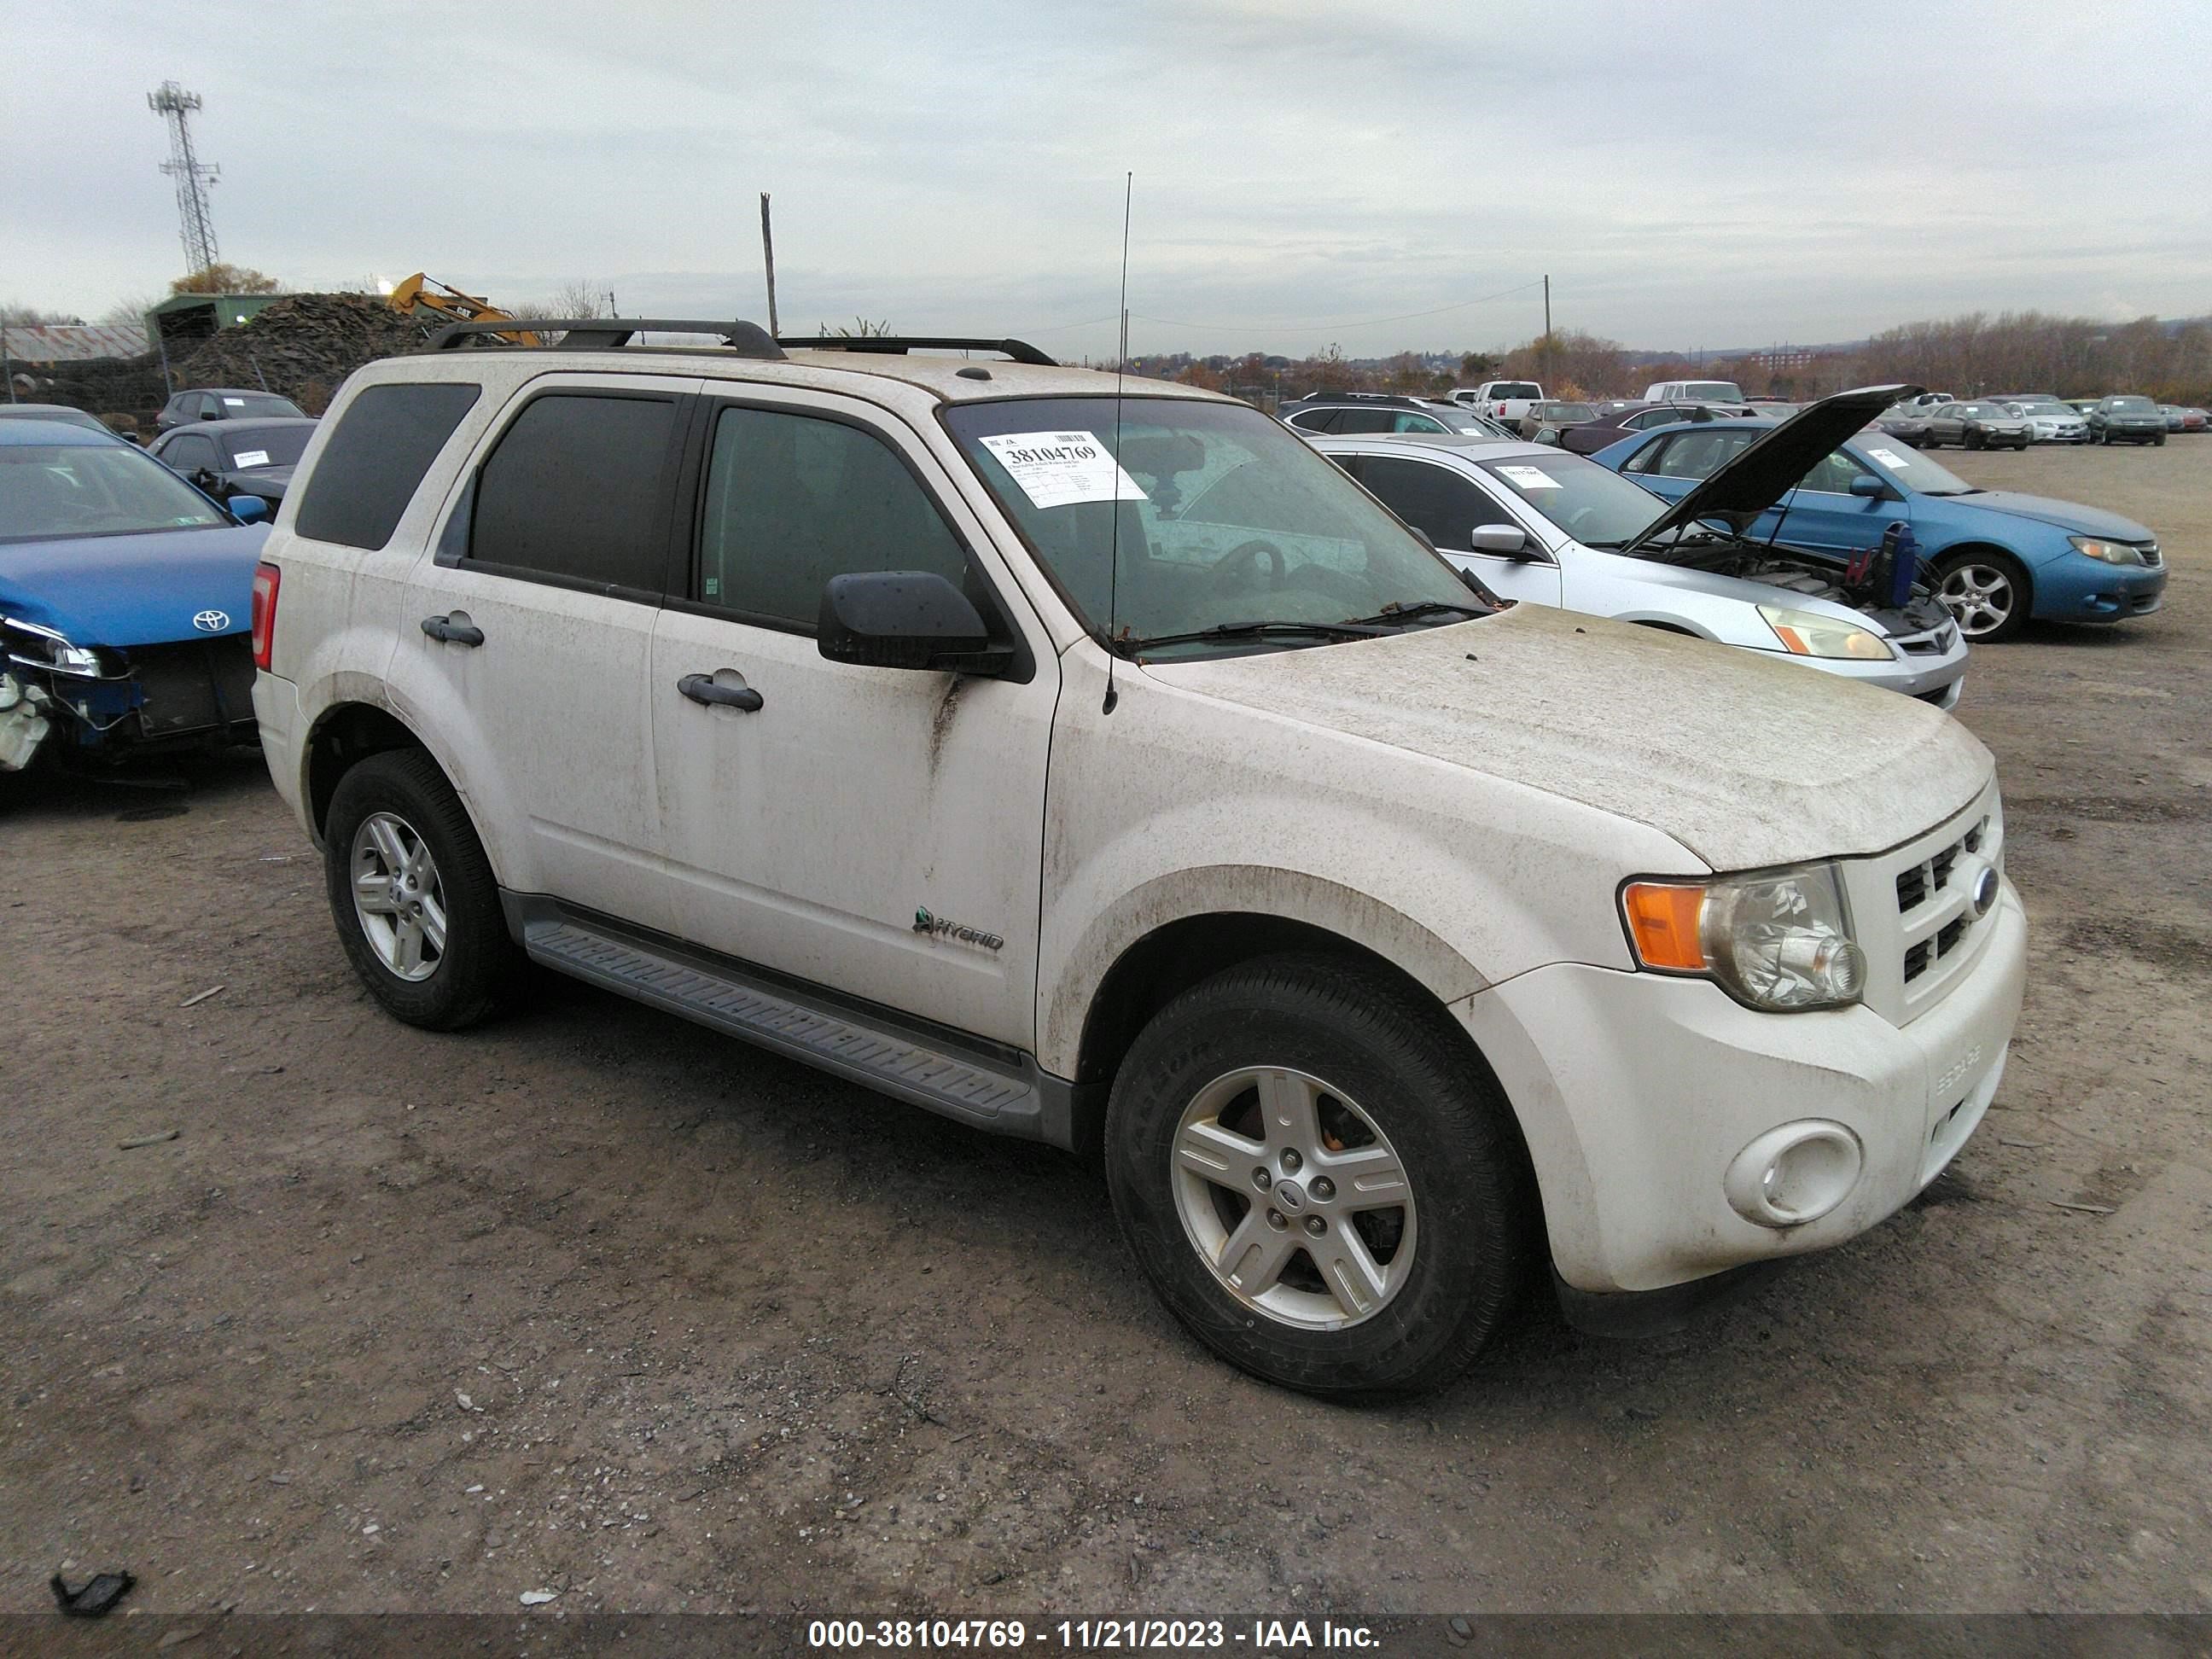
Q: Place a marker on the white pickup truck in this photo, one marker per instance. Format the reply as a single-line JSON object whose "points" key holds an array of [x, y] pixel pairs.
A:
{"points": [[1100, 765], [1503, 401]]}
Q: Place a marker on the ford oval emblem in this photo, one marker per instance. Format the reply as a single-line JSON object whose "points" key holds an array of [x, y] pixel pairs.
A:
{"points": [[212, 622], [1984, 894]]}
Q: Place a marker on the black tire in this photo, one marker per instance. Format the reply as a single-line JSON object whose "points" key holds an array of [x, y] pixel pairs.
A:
{"points": [[479, 964], [1474, 1211], [2023, 598], [2159, 440], [1972, 440]]}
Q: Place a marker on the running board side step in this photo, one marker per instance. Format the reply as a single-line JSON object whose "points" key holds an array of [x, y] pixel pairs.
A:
{"points": [[1008, 1099]]}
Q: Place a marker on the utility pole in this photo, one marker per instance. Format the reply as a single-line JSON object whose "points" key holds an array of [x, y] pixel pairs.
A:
{"points": [[1123, 364], [1548, 307], [193, 176], [767, 256]]}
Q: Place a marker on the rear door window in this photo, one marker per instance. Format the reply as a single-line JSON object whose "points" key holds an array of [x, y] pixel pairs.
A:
{"points": [[792, 500], [189, 452], [376, 457], [1316, 419], [1366, 420], [577, 492]]}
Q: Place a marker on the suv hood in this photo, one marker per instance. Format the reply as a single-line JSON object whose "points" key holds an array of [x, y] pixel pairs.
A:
{"points": [[133, 590], [1772, 464], [1746, 761]]}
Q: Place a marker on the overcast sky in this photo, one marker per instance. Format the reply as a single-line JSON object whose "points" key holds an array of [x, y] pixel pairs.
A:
{"points": [[1690, 175]]}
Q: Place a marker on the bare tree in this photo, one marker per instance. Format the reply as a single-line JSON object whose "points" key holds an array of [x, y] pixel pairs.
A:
{"points": [[578, 297]]}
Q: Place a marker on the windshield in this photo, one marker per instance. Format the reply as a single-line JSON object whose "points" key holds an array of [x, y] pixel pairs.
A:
{"points": [[50, 492], [1709, 391], [1917, 470], [267, 445], [243, 404], [1225, 520], [1595, 506], [2133, 405], [1569, 413]]}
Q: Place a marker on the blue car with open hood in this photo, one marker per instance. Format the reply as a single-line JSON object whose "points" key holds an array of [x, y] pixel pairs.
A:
{"points": [[1994, 557], [126, 600]]}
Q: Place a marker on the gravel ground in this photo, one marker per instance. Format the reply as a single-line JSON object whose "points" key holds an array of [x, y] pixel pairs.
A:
{"points": [[592, 1302]]}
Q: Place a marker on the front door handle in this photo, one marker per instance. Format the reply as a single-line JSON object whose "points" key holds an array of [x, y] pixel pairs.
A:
{"points": [[703, 688], [454, 633]]}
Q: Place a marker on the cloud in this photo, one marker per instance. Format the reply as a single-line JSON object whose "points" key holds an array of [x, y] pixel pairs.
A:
{"points": [[1692, 173]]}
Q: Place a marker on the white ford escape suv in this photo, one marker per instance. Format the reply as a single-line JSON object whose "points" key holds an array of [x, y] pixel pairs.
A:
{"points": [[1112, 770]]}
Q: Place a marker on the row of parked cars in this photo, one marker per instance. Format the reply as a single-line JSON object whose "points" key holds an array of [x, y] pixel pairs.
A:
{"points": [[2017, 420], [1808, 503], [1108, 767]]}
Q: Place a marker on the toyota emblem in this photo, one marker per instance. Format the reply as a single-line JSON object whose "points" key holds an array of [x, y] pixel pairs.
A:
{"points": [[212, 622]]}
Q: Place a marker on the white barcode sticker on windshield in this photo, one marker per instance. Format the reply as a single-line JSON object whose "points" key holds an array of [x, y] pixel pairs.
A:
{"points": [[1528, 477], [1058, 469], [252, 457], [1889, 457], [235, 403]]}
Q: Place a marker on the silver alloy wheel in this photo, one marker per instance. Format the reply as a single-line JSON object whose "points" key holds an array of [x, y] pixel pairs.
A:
{"points": [[1325, 1233], [397, 895], [1979, 597]]}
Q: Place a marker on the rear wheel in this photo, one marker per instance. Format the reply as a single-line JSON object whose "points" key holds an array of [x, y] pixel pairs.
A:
{"points": [[1987, 593], [1321, 1182], [413, 895]]}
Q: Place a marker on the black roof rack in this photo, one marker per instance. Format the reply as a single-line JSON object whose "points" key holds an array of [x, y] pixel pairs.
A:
{"points": [[607, 333], [1393, 399], [1020, 352]]}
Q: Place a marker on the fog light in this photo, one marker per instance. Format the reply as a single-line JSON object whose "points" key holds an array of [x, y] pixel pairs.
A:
{"points": [[1793, 1175]]}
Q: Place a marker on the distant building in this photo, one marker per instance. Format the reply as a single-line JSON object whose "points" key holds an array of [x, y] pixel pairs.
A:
{"points": [[183, 320], [1782, 359], [70, 342]]}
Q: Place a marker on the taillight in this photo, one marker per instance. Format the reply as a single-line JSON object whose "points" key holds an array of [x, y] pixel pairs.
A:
{"points": [[265, 579]]}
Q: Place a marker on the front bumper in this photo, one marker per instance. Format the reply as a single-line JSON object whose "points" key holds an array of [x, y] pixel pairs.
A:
{"points": [[1637, 1092], [2101, 594], [180, 694]]}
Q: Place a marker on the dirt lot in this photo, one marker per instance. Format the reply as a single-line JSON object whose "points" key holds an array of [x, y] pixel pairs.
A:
{"points": [[594, 1301]]}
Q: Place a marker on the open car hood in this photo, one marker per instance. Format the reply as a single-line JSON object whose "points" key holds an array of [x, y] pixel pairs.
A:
{"points": [[1773, 463]]}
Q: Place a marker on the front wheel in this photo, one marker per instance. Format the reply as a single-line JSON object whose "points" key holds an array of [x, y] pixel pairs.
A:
{"points": [[1320, 1179], [1986, 593], [2159, 440], [413, 895]]}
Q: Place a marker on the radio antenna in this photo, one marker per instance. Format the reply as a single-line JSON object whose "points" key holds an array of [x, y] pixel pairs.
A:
{"points": [[1114, 543]]}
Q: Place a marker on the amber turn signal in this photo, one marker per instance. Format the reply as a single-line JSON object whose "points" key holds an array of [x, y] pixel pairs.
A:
{"points": [[1662, 920]]}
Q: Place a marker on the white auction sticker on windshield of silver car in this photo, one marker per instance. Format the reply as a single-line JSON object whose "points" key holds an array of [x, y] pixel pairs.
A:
{"points": [[1528, 477], [252, 457], [1058, 469], [1888, 457]]}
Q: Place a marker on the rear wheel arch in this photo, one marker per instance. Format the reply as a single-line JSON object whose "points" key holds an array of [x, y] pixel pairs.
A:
{"points": [[343, 735]]}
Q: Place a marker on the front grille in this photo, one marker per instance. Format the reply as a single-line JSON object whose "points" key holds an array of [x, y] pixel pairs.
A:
{"points": [[194, 685], [2152, 558], [1911, 910]]}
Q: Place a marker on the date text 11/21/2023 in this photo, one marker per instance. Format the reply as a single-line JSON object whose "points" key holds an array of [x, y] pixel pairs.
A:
{"points": [[1092, 1635]]}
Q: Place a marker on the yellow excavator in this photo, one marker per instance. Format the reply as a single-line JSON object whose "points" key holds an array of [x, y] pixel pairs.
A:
{"points": [[425, 296]]}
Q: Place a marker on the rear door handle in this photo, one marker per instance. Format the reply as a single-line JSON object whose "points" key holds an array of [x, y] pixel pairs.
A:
{"points": [[703, 688], [454, 633]]}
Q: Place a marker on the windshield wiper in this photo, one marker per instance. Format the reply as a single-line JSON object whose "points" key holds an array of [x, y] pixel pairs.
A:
{"points": [[1251, 631], [1395, 612]]}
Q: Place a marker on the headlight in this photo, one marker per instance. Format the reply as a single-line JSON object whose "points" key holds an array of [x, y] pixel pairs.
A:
{"points": [[1803, 634], [2108, 552], [1779, 942], [41, 648]]}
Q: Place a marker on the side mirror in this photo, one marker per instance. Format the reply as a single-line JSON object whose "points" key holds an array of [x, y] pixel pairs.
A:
{"points": [[211, 414], [1868, 485], [904, 619], [1508, 540], [248, 509]]}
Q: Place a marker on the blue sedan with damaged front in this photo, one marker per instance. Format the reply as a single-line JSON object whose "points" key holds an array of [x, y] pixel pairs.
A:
{"points": [[126, 599], [1994, 557]]}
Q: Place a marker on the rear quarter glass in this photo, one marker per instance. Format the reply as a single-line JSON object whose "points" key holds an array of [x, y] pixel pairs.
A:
{"points": [[376, 457]]}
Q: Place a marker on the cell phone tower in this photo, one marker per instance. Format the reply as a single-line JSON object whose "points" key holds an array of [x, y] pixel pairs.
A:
{"points": [[193, 176]]}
